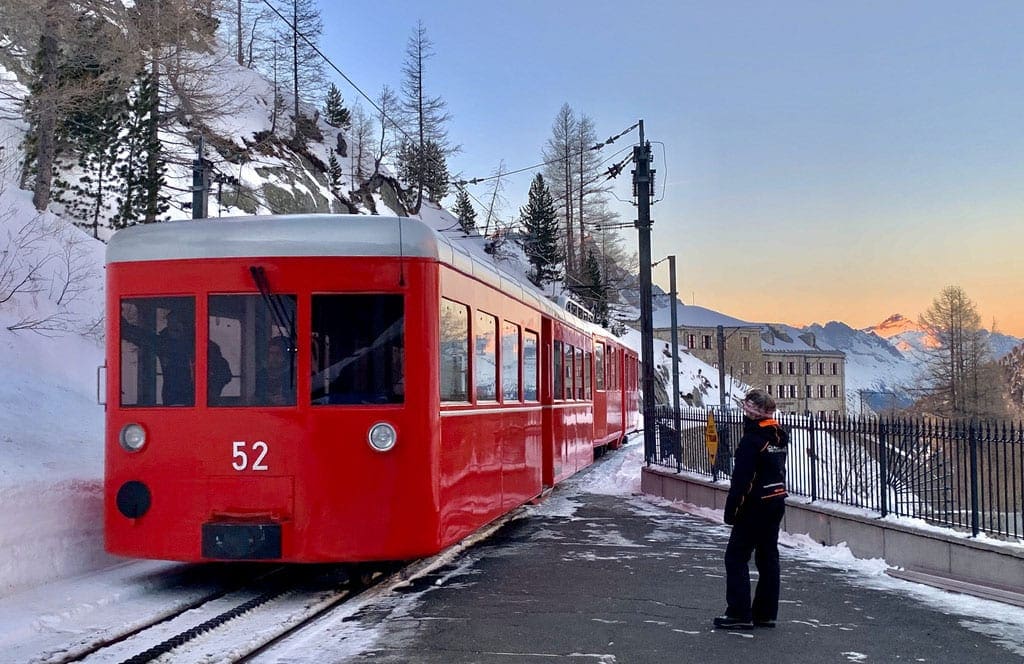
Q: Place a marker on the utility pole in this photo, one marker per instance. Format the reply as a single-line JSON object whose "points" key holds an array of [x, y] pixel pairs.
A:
{"points": [[675, 357], [642, 188], [724, 451], [200, 183]]}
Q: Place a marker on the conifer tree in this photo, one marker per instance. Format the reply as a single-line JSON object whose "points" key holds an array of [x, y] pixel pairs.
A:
{"points": [[465, 213], [139, 192], [540, 240], [335, 112], [334, 173], [596, 290]]}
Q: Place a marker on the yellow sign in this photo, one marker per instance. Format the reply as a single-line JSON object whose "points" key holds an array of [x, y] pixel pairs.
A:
{"points": [[711, 438]]}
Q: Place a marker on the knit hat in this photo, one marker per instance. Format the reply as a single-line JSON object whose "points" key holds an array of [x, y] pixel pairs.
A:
{"points": [[758, 406]]}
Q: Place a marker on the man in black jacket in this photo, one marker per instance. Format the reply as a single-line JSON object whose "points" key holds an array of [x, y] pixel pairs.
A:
{"points": [[754, 509]]}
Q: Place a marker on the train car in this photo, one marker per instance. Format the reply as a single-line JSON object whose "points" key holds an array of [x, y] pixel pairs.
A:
{"points": [[333, 388]]}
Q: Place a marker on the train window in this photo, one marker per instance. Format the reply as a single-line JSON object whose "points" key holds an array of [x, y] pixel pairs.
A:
{"points": [[599, 366], [580, 388], [568, 371], [454, 351], [509, 361], [360, 363], [587, 359], [158, 348], [252, 337], [485, 356], [612, 366], [557, 371], [530, 365]]}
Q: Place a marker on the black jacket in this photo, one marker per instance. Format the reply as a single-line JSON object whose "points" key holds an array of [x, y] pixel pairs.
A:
{"points": [[759, 471]]}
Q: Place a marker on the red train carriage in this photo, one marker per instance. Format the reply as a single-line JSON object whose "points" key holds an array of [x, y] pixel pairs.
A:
{"points": [[335, 388]]}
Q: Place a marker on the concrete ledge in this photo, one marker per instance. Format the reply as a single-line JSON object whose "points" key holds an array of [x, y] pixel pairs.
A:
{"points": [[935, 553]]}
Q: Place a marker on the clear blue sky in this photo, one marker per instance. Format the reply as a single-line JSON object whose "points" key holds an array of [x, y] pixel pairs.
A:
{"points": [[821, 160]]}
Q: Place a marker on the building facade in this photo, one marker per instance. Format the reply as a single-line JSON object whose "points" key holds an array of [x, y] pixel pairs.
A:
{"points": [[802, 375]]}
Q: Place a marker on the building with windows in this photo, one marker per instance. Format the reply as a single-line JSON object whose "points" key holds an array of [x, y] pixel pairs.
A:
{"points": [[803, 375]]}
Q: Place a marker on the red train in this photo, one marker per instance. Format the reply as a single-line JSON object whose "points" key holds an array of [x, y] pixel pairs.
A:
{"points": [[316, 388]]}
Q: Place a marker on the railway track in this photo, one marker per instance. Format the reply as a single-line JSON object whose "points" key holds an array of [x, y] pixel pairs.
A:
{"points": [[238, 622]]}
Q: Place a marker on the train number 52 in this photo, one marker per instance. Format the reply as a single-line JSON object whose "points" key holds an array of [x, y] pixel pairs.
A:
{"points": [[241, 452]]}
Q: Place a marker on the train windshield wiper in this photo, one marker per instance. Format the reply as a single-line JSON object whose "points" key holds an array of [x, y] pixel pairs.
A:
{"points": [[275, 303]]}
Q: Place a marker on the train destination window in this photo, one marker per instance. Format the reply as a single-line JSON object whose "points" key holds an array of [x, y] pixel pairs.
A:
{"points": [[454, 351], [509, 361], [251, 357], [158, 350], [485, 357], [530, 365], [559, 377], [360, 363]]}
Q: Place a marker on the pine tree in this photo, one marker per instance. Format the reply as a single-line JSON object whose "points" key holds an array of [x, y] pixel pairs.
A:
{"points": [[465, 213], [596, 292], [435, 177], [334, 173], [540, 241], [140, 164], [335, 112], [424, 167]]}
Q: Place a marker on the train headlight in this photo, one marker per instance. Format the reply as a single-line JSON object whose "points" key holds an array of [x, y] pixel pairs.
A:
{"points": [[132, 437], [382, 436]]}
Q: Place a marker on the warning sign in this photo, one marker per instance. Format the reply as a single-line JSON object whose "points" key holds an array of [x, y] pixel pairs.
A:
{"points": [[711, 438]]}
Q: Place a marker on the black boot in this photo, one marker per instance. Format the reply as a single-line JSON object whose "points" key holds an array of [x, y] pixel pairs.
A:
{"points": [[728, 622]]}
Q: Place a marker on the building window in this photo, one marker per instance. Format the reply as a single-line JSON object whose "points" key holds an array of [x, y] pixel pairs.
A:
{"points": [[807, 368], [792, 391], [769, 390], [746, 368], [821, 368], [835, 368], [808, 391], [821, 391], [768, 368], [691, 341], [780, 367], [835, 391], [706, 342], [792, 368], [746, 343]]}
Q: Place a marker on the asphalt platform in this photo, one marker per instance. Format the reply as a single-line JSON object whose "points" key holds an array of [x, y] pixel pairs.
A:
{"points": [[620, 579]]}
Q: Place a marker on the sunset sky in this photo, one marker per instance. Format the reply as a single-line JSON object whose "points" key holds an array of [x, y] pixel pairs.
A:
{"points": [[817, 161]]}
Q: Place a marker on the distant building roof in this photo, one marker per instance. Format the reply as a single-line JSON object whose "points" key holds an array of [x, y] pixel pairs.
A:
{"points": [[778, 338], [690, 315]]}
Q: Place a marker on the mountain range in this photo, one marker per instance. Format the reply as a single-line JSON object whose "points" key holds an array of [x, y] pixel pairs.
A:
{"points": [[886, 361]]}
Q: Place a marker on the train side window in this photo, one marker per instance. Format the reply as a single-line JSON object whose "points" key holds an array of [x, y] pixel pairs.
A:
{"points": [[485, 357], [568, 371], [509, 361], [158, 350], [587, 360], [599, 366], [557, 371], [254, 341], [530, 366], [358, 364], [612, 373], [454, 349], [580, 387]]}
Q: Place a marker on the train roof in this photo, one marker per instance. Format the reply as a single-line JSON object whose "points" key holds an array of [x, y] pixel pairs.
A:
{"points": [[320, 235]]}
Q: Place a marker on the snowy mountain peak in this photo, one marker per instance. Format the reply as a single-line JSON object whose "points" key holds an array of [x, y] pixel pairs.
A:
{"points": [[894, 325]]}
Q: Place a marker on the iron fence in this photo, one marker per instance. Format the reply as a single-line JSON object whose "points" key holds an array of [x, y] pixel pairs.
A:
{"points": [[959, 474]]}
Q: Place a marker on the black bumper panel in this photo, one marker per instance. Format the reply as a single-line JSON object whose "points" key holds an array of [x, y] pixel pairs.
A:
{"points": [[242, 541]]}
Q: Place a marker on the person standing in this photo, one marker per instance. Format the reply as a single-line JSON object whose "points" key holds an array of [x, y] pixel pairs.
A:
{"points": [[754, 508]]}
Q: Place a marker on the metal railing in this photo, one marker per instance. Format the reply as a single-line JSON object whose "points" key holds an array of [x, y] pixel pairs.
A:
{"points": [[954, 473]]}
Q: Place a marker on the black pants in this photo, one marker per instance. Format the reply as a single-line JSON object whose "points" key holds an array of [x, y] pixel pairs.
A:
{"points": [[756, 531]]}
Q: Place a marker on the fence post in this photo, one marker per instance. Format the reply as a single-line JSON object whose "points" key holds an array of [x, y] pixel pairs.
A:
{"points": [[813, 454], [883, 468], [972, 440]]}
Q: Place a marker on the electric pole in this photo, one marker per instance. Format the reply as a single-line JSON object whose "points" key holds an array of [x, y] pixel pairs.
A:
{"points": [[642, 188], [675, 363], [200, 183]]}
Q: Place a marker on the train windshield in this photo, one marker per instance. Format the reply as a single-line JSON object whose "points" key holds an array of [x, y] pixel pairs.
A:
{"points": [[158, 347], [358, 349], [251, 355]]}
